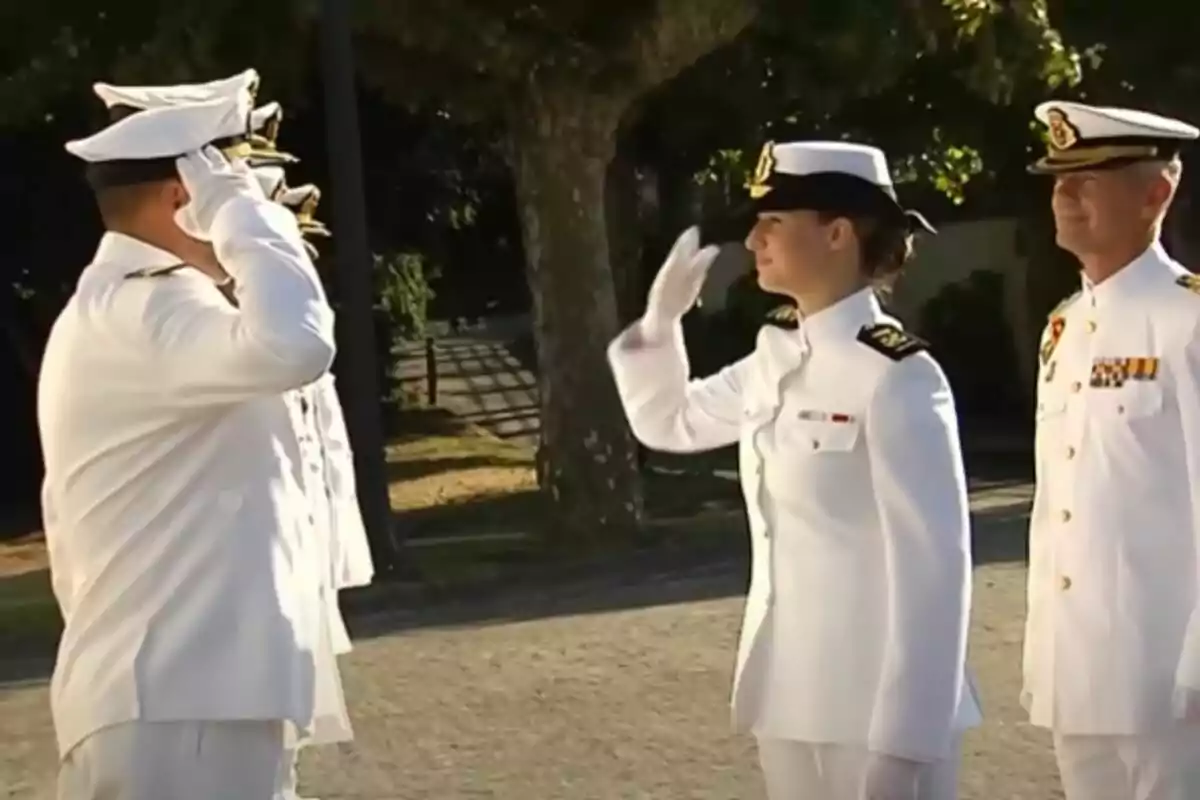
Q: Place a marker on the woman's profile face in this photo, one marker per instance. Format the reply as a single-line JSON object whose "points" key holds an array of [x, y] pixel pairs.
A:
{"points": [[793, 249]]}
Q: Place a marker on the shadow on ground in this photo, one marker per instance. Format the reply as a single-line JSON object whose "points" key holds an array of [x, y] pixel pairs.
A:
{"points": [[717, 568]]}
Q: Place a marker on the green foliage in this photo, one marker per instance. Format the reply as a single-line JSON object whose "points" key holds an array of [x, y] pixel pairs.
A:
{"points": [[53, 51], [922, 79], [404, 292], [482, 58]]}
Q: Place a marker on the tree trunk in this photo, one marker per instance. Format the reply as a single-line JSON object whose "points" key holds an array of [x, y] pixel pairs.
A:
{"points": [[560, 146], [622, 209]]}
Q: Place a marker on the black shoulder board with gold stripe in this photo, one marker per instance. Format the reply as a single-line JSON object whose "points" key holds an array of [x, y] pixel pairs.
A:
{"points": [[154, 272], [891, 341], [1191, 282]]}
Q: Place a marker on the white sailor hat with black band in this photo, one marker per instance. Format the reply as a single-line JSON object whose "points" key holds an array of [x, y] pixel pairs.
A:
{"points": [[841, 178], [1082, 137]]}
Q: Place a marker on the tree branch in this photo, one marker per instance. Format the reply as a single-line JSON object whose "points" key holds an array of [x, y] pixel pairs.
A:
{"points": [[680, 32], [504, 40]]}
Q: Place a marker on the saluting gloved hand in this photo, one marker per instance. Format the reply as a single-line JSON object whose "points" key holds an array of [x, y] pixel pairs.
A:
{"points": [[677, 284], [891, 778], [212, 181]]}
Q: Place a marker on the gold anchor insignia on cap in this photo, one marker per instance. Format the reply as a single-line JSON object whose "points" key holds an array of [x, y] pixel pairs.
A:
{"points": [[268, 139], [766, 166], [308, 208], [1063, 134]]}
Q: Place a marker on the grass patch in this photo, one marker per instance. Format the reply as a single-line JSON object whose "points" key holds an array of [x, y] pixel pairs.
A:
{"points": [[28, 611], [449, 477]]}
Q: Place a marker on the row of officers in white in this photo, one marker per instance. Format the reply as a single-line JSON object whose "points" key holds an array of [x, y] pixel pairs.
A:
{"points": [[201, 519]]}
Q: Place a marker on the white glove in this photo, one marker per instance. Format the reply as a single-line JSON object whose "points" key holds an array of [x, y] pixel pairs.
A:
{"points": [[677, 284], [891, 778], [211, 181]]}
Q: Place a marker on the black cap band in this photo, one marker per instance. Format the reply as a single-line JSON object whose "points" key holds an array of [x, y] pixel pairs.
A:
{"points": [[836, 193], [110, 174]]}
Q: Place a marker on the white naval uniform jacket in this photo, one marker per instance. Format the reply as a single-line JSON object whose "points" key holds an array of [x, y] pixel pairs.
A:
{"points": [[351, 552], [855, 626], [1113, 628], [181, 548], [350, 563]]}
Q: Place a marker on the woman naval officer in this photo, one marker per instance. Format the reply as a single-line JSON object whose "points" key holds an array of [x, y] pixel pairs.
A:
{"points": [[851, 667]]}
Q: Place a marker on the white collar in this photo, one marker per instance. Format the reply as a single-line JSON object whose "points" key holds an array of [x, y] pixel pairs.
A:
{"points": [[1128, 279]]}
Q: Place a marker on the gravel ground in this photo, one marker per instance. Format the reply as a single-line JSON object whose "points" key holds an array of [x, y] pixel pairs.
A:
{"points": [[613, 694]]}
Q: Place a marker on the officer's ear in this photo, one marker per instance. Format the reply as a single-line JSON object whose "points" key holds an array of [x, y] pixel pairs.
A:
{"points": [[176, 193], [1158, 181], [840, 233]]}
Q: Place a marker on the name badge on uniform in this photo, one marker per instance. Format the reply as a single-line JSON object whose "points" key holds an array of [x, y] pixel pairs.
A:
{"points": [[1112, 373], [825, 416]]}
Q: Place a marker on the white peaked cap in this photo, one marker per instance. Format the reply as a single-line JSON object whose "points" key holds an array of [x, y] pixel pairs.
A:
{"points": [[294, 197], [271, 179], [157, 96], [166, 131], [1084, 137], [260, 116], [1105, 122]]}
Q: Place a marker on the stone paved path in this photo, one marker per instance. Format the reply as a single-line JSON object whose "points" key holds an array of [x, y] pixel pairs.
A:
{"points": [[479, 377], [617, 694]]}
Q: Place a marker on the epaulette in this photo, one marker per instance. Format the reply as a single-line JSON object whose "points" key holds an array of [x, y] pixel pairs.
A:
{"points": [[154, 272], [1191, 282], [1061, 307], [786, 316], [891, 341]]}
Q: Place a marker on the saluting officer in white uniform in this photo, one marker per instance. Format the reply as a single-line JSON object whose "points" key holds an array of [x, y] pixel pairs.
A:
{"points": [[336, 502], [851, 666], [1112, 641], [331, 470], [182, 546], [316, 409]]}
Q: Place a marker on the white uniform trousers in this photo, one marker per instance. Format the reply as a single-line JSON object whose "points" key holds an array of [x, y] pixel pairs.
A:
{"points": [[804, 771], [289, 783], [1164, 766], [177, 761]]}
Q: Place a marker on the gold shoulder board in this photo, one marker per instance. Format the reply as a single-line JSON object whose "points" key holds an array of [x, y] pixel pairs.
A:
{"points": [[153, 272], [1190, 282], [891, 341]]}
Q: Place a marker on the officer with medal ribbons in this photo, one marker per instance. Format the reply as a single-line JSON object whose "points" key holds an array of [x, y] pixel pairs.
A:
{"points": [[183, 542], [1112, 640], [851, 668]]}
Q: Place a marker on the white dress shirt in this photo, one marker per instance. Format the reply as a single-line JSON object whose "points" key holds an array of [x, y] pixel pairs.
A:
{"points": [[855, 626], [1113, 629], [182, 550]]}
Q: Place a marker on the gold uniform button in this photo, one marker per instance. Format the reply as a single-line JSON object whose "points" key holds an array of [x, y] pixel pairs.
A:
{"points": [[816, 445], [1076, 386], [1066, 583], [1066, 515], [1091, 326], [1070, 452]]}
